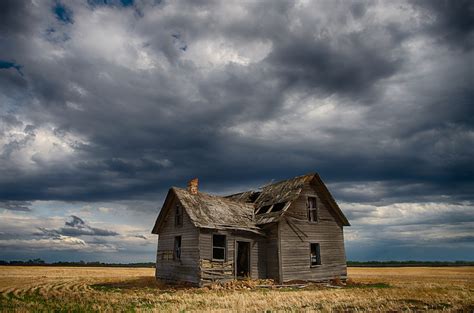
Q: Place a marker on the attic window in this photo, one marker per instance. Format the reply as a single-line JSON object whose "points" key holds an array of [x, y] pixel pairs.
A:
{"points": [[178, 216], [218, 247], [278, 207], [254, 196], [263, 209], [312, 209], [315, 257]]}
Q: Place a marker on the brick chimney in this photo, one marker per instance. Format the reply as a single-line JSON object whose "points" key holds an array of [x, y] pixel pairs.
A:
{"points": [[193, 186]]}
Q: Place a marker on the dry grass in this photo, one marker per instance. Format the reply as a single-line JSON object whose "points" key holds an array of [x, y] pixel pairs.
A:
{"points": [[68, 289]]}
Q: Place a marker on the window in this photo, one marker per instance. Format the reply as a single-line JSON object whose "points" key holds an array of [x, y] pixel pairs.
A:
{"points": [[218, 247], [278, 207], [315, 257], [263, 209], [312, 209], [178, 216], [177, 248]]}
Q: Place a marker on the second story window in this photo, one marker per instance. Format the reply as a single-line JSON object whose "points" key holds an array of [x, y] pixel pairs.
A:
{"points": [[178, 216], [312, 209]]}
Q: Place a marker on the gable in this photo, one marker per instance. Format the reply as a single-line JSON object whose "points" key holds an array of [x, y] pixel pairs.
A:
{"points": [[299, 207], [170, 200], [275, 199], [324, 194]]}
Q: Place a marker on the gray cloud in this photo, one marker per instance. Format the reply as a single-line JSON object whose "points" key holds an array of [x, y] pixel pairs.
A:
{"points": [[119, 102], [450, 21], [16, 205], [174, 123], [78, 227]]}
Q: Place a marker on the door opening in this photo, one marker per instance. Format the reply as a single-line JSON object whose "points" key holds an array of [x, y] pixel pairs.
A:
{"points": [[243, 259]]}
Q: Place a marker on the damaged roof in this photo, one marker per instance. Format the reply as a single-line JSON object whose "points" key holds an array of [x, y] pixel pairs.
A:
{"points": [[214, 212], [281, 194], [250, 209]]}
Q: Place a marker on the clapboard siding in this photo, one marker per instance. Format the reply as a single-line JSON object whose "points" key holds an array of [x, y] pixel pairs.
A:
{"points": [[205, 248], [296, 235], [186, 269], [280, 241], [271, 250]]}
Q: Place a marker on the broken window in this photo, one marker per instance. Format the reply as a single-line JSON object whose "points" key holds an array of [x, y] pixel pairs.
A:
{"points": [[218, 247], [263, 209], [178, 216], [312, 209], [177, 248], [315, 258], [278, 207]]}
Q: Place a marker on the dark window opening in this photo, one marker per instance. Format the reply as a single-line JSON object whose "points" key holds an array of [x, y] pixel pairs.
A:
{"points": [[278, 207], [177, 248], [263, 209], [315, 257], [218, 247], [254, 196], [178, 216], [312, 209]]}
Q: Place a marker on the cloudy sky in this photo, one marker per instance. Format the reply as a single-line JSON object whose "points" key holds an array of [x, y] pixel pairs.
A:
{"points": [[106, 104]]}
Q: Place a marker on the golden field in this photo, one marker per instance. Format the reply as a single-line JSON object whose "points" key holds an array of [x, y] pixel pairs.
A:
{"points": [[88, 289]]}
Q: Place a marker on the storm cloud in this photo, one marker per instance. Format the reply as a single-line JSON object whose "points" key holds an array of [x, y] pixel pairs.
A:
{"points": [[115, 101]]}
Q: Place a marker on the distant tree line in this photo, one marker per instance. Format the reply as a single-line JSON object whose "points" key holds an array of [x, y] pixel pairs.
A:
{"points": [[40, 262], [408, 263]]}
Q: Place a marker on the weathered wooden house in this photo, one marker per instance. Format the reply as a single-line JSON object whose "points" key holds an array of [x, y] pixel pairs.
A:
{"points": [[289, 230]]}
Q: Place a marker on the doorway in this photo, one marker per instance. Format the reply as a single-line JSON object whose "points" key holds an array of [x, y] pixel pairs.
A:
{"points": [[243, 259]]}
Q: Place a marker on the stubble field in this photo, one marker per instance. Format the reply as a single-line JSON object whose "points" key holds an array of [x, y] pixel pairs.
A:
{"points": [[78, 289]]}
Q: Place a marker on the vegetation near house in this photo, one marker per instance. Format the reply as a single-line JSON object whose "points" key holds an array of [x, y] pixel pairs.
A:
{"points": [[289, 230]]}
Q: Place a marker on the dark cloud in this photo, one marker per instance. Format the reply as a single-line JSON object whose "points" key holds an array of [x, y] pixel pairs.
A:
{"points": [[350, 67], [16, 205], [78, 227], [450, 21], [118, 106], [124, 3], [15, 17]]}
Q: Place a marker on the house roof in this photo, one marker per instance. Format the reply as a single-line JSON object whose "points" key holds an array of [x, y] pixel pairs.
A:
{"points": [[282, 193], [246, 210], [214, 212]]}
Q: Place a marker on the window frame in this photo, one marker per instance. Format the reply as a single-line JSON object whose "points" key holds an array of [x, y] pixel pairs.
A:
{"points": [[177, 248], [218, 247], [318, 254], [312, 212], [178, 216]]}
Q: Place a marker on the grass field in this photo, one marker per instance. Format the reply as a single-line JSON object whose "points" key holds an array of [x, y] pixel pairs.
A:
{"points": [[80, 289]]}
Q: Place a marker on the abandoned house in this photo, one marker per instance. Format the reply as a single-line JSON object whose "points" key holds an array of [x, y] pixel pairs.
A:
{"points": [[289, 230]]}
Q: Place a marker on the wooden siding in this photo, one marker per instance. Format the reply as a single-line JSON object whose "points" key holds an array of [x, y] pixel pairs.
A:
{"points": [[187, 268], [297, 233], [271, 252], [217, 270]]}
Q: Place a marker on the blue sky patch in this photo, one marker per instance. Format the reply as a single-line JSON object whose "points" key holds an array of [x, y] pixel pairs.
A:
{"points": [[124, 3], [63, 13], [7, 64]]}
